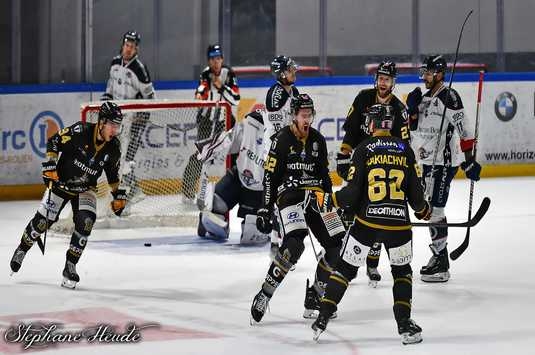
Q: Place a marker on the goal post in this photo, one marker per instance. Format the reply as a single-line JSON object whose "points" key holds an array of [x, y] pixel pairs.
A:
{"points": [[158, 165]]}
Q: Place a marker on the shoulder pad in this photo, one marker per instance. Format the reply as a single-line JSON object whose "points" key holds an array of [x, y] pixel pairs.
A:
{"points": [[276, 97], [116, 60], [140, 70]]}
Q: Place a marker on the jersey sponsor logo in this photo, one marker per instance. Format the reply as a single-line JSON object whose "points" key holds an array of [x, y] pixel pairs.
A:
{"points": [[276, 96], [255, 158], [85, 168], [301, 166], [505, 106], [381, 144], [357, 250], [388, 211]]}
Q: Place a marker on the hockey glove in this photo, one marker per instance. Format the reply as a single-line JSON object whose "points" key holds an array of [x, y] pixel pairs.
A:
{"points": [[49, 171], [264, 223], [413, 100], [119, 201], [343, 161], [472, 169], [425, 213]]}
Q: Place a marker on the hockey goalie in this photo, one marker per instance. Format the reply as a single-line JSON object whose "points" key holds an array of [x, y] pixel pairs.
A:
{"points": [[241, 185]]}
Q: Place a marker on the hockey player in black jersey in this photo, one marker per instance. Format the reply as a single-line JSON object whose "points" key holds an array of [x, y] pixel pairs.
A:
{"points": [[278, 112], [356, 131], [296, 179], [77, 155], [130, 80], [382, 178], [454, 150], [217, 82]]}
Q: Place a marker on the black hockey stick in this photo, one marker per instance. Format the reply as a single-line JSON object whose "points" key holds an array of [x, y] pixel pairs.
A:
{"points": [[482, 210], [435, 153], [454, 255], [42, 243]]}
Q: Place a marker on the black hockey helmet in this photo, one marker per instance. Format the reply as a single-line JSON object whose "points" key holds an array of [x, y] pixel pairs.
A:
{"points": [[109, 111], [434, 64], [387, 68], [280, 64], [302, 101], [380, 116], [132, 36], [214, 50]]}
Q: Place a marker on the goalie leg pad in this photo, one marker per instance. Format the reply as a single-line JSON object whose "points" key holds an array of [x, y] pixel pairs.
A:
{"points": [[216, 225], [219, 205], [250, 234]]}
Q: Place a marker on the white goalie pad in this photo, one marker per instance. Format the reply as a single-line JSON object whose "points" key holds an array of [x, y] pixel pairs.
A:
{"points": [[250, 234], [401, 255], [355, 253], [215, 224]]}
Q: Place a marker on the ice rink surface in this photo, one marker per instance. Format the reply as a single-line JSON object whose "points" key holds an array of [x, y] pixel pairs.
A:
{"points": [[199, 293]]}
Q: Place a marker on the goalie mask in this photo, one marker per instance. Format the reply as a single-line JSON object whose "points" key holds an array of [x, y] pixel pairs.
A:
{"points": [[379, 116]]}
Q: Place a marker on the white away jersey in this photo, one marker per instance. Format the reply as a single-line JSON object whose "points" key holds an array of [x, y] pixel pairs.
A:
{"points": [[457, 132], [128, 81]]}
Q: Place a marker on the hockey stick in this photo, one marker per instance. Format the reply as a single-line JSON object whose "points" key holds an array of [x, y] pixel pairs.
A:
{"points": [[482, 210], [454, 255], [42, 243], [435, 153]]}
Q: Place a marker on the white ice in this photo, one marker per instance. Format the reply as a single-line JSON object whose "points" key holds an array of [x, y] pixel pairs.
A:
{"points": [[200, 293]]}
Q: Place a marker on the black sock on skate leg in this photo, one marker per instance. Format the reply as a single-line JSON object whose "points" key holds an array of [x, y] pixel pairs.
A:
{"points": [[33, 230], [76, 247], [402, 291]]}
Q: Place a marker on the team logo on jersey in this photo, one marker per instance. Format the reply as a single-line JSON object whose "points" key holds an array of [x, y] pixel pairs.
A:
{"points": [[357, 250], [424, 154], [248, 177], [43, 126], [315, 148], [505, 106], [119, 81], [128, 75]]}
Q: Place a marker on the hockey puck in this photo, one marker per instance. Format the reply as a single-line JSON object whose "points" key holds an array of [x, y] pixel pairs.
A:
{"points": [[147, 244]]}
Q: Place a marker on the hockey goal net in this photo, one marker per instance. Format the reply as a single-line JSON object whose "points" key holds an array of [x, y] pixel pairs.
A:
{"points": [[158, 166]]}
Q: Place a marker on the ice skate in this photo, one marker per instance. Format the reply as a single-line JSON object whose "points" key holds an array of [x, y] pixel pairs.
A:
{"points": [[373, 275], [437, 270], [70, 277], [312, 303], [259, 306], [319, 325], [16, 260], [410, 332]]}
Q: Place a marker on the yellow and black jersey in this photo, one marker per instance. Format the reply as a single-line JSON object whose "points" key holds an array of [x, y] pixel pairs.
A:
{"points": [[355, 124], [382, 178], [82, 157], [295, 164]]}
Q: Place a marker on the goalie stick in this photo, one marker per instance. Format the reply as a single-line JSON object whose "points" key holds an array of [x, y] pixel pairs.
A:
{"points": [[454, 255], [482, 210]]}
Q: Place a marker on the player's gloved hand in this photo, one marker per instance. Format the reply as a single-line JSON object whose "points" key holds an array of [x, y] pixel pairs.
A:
{"points": [[325, 202], [413, 100], [343, 162], [472, 169], [424, 213], [119, 201], [264, 222], [49, 171]]}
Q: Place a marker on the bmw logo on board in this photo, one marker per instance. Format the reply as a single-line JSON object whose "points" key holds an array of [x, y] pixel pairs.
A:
{"points": [[505, 106]]}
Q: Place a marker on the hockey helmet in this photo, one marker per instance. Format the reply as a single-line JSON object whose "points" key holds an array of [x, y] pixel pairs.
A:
{"points": [[434, 64], [109, 111], [380, 116], [387, 68], [214, 50], [280, 64], [302, 101], [132, 36]]}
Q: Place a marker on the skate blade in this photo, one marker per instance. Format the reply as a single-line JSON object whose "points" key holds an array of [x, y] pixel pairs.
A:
{"points": [[68, 284], [372, 283], [438, 277], [310, 314], [317, 333], [407, 339]]}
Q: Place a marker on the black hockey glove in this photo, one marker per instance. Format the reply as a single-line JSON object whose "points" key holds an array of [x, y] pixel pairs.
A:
{"points": [[472, 169], [264, 222], [119, 201], [50, 174], [343, 161], [425, 213], [414, 98]]}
